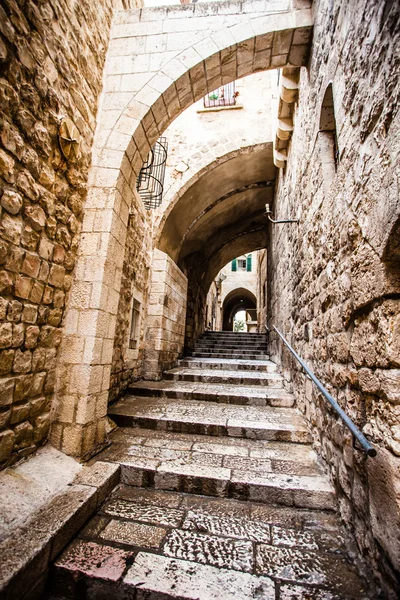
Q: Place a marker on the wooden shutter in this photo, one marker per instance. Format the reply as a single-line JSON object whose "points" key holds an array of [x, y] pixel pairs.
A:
{"points": [[249, 262]]}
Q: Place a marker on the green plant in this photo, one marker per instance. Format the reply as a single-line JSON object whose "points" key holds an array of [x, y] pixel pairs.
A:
{"points": [[238, 326]]}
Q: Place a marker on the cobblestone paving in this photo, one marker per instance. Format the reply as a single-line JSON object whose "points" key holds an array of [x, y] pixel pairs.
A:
{"points": [[221, 497], [172, 545]]}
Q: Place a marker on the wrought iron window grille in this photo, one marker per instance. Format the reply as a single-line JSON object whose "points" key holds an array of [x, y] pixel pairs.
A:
{"points": [[150, 182], [223, 96]]}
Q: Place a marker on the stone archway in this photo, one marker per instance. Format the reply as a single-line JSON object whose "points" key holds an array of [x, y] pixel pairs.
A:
{"points": [[238, 299], [146, 86]]}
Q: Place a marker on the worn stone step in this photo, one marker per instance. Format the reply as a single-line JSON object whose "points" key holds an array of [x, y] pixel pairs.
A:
{"points": [[231, 343], [218, 335], [231, 350], [215, 392], [224, 376], [157, 545], [228, 364], [262, 471], [209, 418], [237, 355], [230, 347]]}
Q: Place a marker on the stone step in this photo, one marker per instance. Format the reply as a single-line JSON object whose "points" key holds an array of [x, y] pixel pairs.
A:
{"points": [[160, 545], [263, 471], [231, 348], [224, 376], [216, 392], [237, 355], [234, 336], [209, 418], [230, 341], [228, 364]]}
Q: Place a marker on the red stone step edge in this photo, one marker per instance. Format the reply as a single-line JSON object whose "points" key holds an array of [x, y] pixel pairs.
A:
{"points": [[26, 554]]}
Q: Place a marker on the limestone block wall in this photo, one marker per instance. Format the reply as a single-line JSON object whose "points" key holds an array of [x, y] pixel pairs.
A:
{"points": [[52, 57], [135, 281], [262, 296], [198, 137], [335, 279], [166, 316]]}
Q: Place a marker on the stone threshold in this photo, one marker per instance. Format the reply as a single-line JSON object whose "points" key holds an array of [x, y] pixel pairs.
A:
{"points": [[27, 550]]}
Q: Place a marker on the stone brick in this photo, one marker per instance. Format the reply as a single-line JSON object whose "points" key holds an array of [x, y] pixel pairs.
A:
{"points": [[5, 335], [6, 391], [18, 335], [29, 238], [23, 287], [31, 336], [37, 384], [11, 201], [23, 435], [6, 444], [22, 387], [10, 228], [22, 362], [31, 265], [14, 311], [36, 217], [3, 251], [36, 293], [46, 248], [19, 413], [29, 313], [6, 166], [56, 277], [14, 259], [6, 361], [6, 282]]}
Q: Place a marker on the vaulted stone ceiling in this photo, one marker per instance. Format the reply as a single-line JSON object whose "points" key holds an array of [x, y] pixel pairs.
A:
{"points": [[222, 214]]}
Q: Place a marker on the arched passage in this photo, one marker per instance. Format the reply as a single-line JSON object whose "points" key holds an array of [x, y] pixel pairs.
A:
{"points": [[219, 217], [236, 300], [213, 45]]}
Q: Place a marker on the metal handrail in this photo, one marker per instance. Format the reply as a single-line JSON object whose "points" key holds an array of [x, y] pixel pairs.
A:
{"points": [[366, 446]]}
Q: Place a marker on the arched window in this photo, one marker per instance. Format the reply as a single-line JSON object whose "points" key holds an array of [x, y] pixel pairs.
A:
{"points": [[327, 137]]}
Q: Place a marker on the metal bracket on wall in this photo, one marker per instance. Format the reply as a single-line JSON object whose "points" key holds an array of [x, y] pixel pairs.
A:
{"points": [[268, 214]]}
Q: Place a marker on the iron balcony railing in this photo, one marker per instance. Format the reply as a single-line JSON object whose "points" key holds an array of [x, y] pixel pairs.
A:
{"points": [[223, 96], [357, 434]]}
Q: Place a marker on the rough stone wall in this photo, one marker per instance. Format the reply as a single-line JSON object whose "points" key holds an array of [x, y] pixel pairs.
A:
{"points": [[52, 56], [262, 295], [127, 363], [334, 286], [166, 314]]}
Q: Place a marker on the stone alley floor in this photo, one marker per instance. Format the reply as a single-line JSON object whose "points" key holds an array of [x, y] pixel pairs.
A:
{"points": [[221, 495]]}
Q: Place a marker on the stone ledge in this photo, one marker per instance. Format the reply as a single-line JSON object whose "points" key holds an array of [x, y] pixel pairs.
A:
{"points": [[27, 551]]}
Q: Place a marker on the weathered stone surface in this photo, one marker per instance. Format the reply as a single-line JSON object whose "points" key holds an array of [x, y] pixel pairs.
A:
{"points": [[134, 534], [148, 514], [11, 201], [178, 579], [94, 560], [36, 183], [205, 549]]}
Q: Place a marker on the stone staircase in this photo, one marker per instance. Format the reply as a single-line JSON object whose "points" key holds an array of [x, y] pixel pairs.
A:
{"points": [[221, 495]]}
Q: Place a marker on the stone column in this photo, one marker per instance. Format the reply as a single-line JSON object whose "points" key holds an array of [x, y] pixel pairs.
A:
{"points": [[80, 408], [165, 334]]}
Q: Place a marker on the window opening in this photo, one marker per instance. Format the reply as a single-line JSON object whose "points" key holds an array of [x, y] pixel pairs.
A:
{"points": [[327, 125], [134, 333], [224, 96]]}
